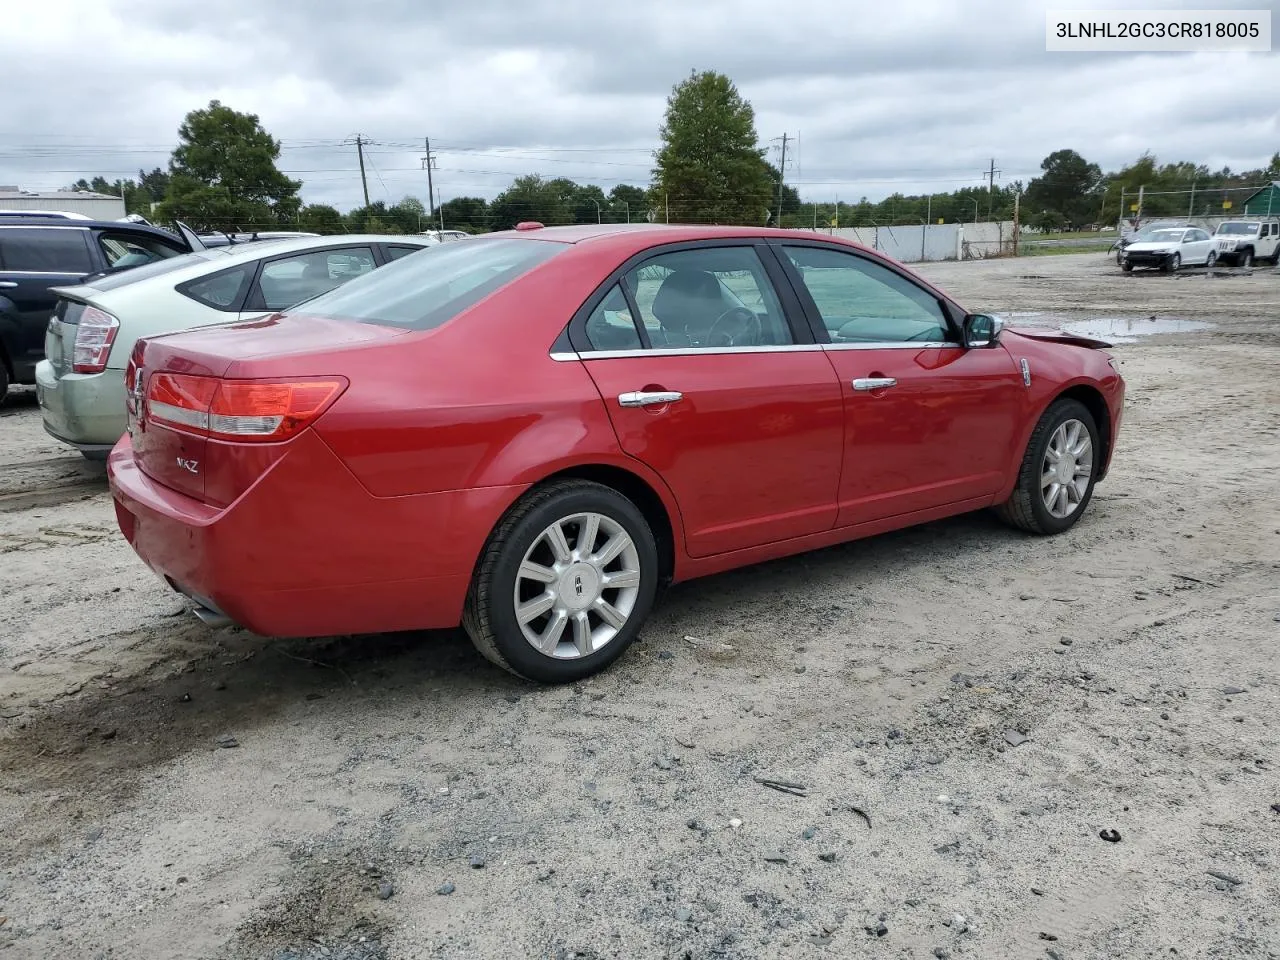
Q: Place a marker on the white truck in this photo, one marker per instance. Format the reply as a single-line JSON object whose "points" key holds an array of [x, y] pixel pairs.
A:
{"points": [[1242, 243]]}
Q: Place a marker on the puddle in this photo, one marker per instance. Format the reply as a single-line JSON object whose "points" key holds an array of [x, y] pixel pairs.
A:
{"points": [[1112, 329]]}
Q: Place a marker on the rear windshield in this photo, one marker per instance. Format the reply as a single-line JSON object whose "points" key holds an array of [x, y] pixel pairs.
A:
{"points": [[435, 285], [119, 278]]}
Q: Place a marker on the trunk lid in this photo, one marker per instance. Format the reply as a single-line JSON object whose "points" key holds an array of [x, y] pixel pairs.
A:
{"points": [[172, 369]]}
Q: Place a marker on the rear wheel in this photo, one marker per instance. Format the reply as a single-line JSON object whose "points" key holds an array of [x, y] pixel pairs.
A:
{"points": [[1055, 481], [1211, 259], [564, 583], [4, 379]]}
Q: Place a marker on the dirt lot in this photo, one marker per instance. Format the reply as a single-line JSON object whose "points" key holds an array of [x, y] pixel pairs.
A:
{"points": [[368, 778]]}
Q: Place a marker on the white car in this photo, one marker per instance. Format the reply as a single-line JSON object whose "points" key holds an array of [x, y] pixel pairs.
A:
{"points": [[80, 383], [1170, 249]]}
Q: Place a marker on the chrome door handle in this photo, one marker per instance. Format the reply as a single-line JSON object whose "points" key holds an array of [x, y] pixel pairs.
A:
{"points": [[640, 398], [874, 383], [7, 284]]}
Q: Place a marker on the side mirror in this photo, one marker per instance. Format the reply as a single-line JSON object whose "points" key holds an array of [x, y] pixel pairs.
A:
{"points": [[980, 330]]}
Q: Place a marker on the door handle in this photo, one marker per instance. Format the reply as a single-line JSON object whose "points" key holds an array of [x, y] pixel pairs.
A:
{"points": [[641, 398], [7, 284], [874, 383]]}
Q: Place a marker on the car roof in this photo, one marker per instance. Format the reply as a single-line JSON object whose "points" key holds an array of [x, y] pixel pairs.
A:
{"points": [[68, 223], [216, 259]]}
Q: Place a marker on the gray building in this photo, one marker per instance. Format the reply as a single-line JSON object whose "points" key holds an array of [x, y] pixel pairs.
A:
{"points": [[95, 206]]}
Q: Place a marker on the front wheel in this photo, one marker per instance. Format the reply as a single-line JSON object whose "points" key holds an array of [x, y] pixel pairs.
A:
{"points": [[4, 380], [564, 583], [1245, 259], [1055, 481], [1173, 263], [1126, 266]]}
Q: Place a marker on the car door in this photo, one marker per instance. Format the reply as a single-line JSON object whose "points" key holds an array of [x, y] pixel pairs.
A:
{"points": [[708, 382], [32, 260], [927, 422], [1196, 244]]}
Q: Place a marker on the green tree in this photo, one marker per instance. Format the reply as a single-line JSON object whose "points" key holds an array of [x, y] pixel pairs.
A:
{"points": [[790, 198], [321, 218], [464, 213], [627, 202], [1070, 186], [533, 198], [223, 174], [709, 168]]}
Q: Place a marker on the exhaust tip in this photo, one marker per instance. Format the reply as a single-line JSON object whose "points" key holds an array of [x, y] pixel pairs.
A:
{"points": [[211, 618]]}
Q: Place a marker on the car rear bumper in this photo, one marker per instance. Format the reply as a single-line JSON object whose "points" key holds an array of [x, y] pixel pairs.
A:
{"points": [[85, 410], [307, 551]]}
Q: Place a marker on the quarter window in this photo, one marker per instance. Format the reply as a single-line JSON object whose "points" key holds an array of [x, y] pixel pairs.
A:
{"points": [[862, 302], [44, 251], [395, 253], [221, 291], [708, 297], [611, 325]]}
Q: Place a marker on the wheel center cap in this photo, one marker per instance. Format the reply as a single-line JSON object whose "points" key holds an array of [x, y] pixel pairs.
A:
{"points": [[579, 586], [1066, 470]]}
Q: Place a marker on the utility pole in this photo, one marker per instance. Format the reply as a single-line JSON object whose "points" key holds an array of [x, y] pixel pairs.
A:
{"points": [[427, 163], [363, 182], [1191, 207], [991, 186], [1137, 218], [782, 175], [1017, 235]]}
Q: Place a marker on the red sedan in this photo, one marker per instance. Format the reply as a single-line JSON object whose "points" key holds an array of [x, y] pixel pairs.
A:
{"points": [[531, 432]]}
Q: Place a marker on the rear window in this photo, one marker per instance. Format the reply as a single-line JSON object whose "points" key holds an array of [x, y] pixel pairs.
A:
{"points": [[109, 281], [423, 291]]}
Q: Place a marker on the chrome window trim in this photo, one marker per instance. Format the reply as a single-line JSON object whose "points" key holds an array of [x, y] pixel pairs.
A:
{"points": [[47, 273], [563, 357]]}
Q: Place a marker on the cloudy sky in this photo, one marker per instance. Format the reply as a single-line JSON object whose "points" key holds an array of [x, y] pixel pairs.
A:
{"points": [[881, 97]]}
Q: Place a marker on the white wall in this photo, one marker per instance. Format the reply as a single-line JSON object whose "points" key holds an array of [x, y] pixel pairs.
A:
{"points": [[935, 241], [97, 206]]}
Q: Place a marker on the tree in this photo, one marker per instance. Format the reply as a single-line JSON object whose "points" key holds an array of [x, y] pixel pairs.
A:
{"points": [[628, 202], [464, 213], [532, 198], [321, 218], [1070, 186], [790, 198], [709, 168], [155, 183], [223, 174]]}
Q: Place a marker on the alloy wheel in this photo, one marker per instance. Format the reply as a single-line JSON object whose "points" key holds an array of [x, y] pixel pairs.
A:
{"points": [[577, 586], [1067, 469]]}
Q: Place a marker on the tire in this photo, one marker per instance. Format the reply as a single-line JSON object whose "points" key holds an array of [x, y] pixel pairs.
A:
{"points": [[1210, 260], [1027, 508], [490, 615], [4, 379], [1127, 267], [1173, 263], [1245, 259]]}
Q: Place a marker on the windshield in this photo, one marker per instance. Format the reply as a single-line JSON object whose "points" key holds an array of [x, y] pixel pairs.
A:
{"points": [[1238, 229], [434, 285], [119, 278], [1164, 236]]}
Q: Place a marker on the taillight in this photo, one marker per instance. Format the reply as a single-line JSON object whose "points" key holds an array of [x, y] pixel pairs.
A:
{"points": [[244, 410], [131, 374], [94, 335]]}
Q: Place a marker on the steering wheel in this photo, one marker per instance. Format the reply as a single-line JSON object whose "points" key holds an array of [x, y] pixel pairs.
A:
{"points": [[736, 327]]}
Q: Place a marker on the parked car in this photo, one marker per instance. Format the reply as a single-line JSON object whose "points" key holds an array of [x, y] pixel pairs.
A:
{"points": [[40, 252], [1241, 242], [80, 384], [229, 239], [533, 431], [1170, 249], [444, 236]]}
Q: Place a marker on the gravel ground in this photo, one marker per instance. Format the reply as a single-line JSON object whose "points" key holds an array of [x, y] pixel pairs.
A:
{"points": [[967, 710]]}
